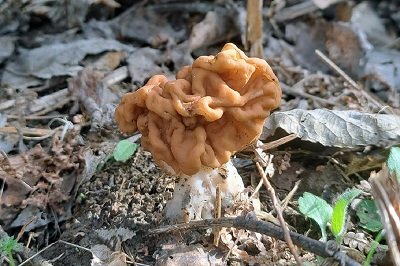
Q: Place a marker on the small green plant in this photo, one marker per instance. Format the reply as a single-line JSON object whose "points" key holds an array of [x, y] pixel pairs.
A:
{"points": [[7, 246], [374, 245], [124, 150], [369, 215], [322, 213], [339, 215], [317, 209]]}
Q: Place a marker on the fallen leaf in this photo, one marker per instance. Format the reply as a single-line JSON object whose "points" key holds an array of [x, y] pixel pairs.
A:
{"points": [[215, 27], [144, 63], [369, 216], [56, 10], [32, 217], [335, 128], [194, 255], [386, 192], [6, 47], [146, 26], [382, 66], [122, 233], [104, 256], [337, 40], [365, 19], [357, 241], [40, 181], [60, 59]]}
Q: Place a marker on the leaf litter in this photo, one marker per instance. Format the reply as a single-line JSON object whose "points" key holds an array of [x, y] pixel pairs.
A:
{"points": [[74, 61]]}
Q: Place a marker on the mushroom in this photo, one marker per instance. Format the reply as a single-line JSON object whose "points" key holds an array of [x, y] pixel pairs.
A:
{"points": [[193, 125]]}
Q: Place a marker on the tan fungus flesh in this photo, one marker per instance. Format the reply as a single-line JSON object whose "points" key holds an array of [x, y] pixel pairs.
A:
{"points": [[213, 109]]}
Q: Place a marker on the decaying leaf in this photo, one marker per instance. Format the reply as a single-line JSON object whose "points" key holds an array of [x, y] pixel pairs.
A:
{"points": [[381, 66], [216, 26], [89, 89], [144, 63], [104, 256], [386, 192], [368, 214], [41, 181], [60, 59], [325, 3], [31, 217], [366, 20], [56, 10], [337, 40], [356, 240], [335, 128], [122, 233], [145, 26], [6, 47], [194, 255]]}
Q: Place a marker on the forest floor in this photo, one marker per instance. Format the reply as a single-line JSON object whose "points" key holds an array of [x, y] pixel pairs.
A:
{"points": [[64, 66]]}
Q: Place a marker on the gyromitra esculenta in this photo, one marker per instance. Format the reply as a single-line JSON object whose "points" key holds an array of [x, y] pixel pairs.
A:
{"points": [[194, 124]]}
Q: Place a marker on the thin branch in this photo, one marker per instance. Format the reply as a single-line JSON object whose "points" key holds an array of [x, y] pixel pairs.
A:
{"points": [[278, 209], [49, 246], [295, 92], [217, 214], [252, 224], [289, 196], [254, 28], [278, 142], [378, 103]]}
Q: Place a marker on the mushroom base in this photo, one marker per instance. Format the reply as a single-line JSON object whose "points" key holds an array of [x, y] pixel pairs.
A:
{"points": [[194, 196]]}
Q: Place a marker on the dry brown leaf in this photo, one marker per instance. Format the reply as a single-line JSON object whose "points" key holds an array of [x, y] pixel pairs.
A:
{"points": [[43, 179], [194, 255], [386, 192], [336, 128]]}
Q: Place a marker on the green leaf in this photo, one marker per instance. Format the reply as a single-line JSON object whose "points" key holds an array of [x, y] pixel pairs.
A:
{"points": [[124, 150], [369, 215], [374, 245], [317, 209], [393, 161], [8, 245], [339, 216]]}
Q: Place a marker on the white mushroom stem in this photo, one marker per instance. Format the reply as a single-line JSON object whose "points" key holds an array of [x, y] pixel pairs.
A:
{"points": [[194, 196]]}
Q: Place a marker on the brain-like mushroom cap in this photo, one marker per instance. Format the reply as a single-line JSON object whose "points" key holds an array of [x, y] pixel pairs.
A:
{"points": [[213, 109]]}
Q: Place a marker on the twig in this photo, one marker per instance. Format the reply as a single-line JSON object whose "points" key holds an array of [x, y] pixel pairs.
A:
{"points": [[38, 132], [3, 184], [217, 214], [289, 196], [292, 12], [278, 209], [36, 117], [195, 7], [292, 91], [269, 146], [335, 67], [231, 248], [52, 244], [256, 189], [278, 142], [55, 106], [115, 76], [254, 28], [252, 224]]}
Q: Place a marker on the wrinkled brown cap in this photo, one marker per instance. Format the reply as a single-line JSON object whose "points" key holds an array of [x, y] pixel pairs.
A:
{"points": [[213, 109]]}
